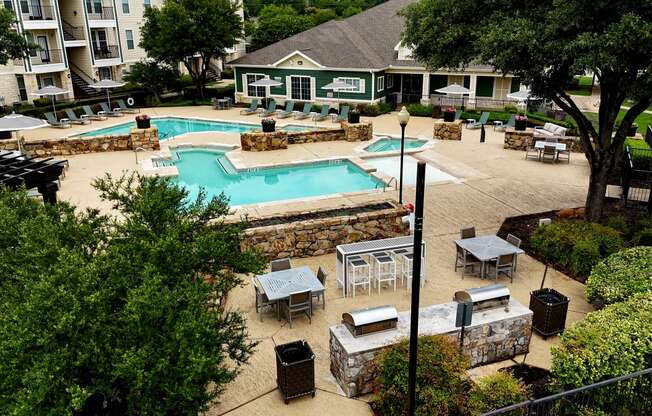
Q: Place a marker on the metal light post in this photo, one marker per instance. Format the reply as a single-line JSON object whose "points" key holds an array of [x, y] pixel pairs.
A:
{"points": [[403, 118], [416, 287]]}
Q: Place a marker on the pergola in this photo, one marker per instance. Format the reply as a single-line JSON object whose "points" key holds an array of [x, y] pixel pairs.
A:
{"points": [[18, 170]]}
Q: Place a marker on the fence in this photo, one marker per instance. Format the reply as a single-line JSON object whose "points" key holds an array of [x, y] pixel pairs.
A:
{"points": [[637, 176], [628, 395]]}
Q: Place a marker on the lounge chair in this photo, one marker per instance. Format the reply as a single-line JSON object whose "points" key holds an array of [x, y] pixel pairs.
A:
{"points": [[122, 108], [305, 113], [271, 110], [253, 108], [473, 124], [287, 112], [107, 111], [510, 123], [323, 114], [344, 114], [74, 119], [53, 122], [91, 115]]}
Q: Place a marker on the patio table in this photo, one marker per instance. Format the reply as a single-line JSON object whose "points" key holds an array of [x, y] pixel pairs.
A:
{"points": [[540, 144], [281, 284], [223, 103], [487, 248]]}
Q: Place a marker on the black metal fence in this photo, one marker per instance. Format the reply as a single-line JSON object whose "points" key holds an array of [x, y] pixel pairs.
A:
{"points": [[625, 395], [637, 177]]}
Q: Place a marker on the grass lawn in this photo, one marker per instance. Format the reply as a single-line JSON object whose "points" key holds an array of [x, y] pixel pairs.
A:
{"points": [[643, 120], [582, 86]]}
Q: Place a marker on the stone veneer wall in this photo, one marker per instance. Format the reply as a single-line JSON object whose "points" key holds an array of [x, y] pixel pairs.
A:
{"points": [[447, 130], [357, 132], [314, 237], [503, 335], [257, 141], [144, 138], [518, 140]]}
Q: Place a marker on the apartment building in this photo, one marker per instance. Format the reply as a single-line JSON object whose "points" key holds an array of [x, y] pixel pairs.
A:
{"points": [[80, 41]]}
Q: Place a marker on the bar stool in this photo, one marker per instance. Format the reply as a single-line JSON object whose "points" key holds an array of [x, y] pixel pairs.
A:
{"points": [[399, 258], [359, 272], [384, 270], [407, 270]]}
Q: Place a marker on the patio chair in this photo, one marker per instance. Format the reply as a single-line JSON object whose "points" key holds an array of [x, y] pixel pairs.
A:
{"points": [[515, 241], [503, 264], [287, 112], [122, 107], [467, 233], [344, 114], [549, 154], [298, 302], [464, 259], [552, 140], [107, 111], [564, 155], [322, 115], [74, 119], [473, 124], [321, 276], [407, 270], [531, 152], [305, 113], [458, 114], [253, 108], [510, 123], [271, 109], [281, 264], [359, 273], [384, 269], [90, 114], [261, 299], [63, 123]]}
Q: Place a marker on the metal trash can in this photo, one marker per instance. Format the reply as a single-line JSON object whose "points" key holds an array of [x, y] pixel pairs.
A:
{"points": [[549, 309], [295, 370]]}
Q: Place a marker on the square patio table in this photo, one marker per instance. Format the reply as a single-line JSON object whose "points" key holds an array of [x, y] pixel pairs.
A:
{"points": [[281, 284], [540, 144], [487, 247]]}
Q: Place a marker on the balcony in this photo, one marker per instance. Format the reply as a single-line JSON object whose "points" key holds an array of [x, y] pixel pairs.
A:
{"points": [[36, 12], [46, 57], [105, 52], [101, 13]]}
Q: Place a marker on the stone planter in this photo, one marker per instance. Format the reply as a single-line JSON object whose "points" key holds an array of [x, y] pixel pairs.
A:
{"points": [[444, 130], [549, 309], [520, 125], [449, 116], [143, 124]]}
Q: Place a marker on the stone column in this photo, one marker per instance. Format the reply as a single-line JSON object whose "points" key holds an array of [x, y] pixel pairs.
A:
{"points": [[472, 86], [357, 132], [425, 89]]}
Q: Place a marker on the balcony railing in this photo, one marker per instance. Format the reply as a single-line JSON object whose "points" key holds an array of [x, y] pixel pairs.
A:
{"points": [[35, 11], [71, 32], [44, 57], [106, 51], [100, 13]]}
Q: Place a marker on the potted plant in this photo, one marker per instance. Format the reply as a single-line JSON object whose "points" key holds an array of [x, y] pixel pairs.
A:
{"points": [[520, 123], [549, 309], [269, 125], [354, 116], [449, 114], [143, 121]]}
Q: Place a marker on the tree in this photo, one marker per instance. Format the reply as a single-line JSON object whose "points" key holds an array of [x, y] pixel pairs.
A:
{"points": [[100, 316], [320, 16], [276, 23], [192, 32], [545, 43], [12, 44], [152, 76], [351, 11]]}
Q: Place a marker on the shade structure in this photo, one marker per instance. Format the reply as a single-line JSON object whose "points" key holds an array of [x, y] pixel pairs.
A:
{"points": [[51, 91], [523, 95], [337, 86], [16, 122], [107, 84], [18, 170], [266, 82], [454, 89]]}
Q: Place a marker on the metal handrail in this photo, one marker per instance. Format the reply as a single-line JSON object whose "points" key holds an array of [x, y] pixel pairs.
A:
{"points": [[136, 150], [77, 32], [106, 51], [389, 183], [89, 79]]}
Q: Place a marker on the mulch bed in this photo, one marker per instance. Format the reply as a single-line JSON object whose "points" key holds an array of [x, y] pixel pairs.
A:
{"points": [[331, 213], [537, 380]]}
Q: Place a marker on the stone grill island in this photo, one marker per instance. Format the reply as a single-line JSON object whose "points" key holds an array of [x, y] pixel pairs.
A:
{"points": [[500, 329]]}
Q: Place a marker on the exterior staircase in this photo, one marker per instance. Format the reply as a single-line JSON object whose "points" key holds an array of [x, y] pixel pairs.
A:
{"points": [[67, 36], [80, 86]]}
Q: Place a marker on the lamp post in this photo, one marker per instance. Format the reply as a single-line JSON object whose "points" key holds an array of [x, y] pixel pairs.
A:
{"points": [[403, 117]]}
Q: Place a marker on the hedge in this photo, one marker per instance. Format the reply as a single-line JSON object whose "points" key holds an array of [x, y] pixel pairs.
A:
{"points": [[641, 153], [496, 391], [620, 276], [611, 342]]}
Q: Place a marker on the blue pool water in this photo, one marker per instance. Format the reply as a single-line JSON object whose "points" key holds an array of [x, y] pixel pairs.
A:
{"points": [[199, 168], [170, 127], [386, 145]]}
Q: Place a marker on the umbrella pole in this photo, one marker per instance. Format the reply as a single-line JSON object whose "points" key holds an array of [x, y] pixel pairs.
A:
{"points": [[54, 109], [108, 99]]}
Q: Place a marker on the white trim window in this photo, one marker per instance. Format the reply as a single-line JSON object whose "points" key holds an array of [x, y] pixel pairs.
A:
{"points": [[129, 36], [390, 81], [300, 88], [254, 91], [125, 7], [381, 83], [356, 83]]}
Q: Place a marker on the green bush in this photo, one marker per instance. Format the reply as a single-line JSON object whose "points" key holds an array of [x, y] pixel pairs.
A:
{"points": [[576, 245], [611, 342], [419, 110], [618, 223], [510, 108], [496, 391], [643, 237], [620, 276], [373, 110], [641, 153], [41, 102], [441, 377], [227, 73]]}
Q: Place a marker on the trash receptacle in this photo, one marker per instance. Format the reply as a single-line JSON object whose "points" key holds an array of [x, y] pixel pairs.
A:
{"points": [[295, 370], [549, 309]]}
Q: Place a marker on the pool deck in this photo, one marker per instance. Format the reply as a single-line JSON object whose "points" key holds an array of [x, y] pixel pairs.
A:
{"points": [[496, 184]]}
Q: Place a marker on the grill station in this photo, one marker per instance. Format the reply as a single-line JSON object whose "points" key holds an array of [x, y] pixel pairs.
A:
{"points": [[482, 298], [370, 320]]}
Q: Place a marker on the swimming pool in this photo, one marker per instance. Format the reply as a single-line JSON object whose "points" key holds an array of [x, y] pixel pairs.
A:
{"points": [[389, 144], [391, 166], [169, 127], [200, 168]]}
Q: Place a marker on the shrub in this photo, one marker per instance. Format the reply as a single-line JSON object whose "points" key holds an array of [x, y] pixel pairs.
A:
{"points": [[510, 108], [619, 223], [227, 73], [643, 237], [496, 391], [576, 245], [373, 110], [614, 341], [641, 153], [620, 276], [41, 102], [420, 110], [441, 377]]}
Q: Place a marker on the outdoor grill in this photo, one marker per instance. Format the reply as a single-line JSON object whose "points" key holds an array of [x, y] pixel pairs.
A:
{"points": [[370, 320], [487, 297]]}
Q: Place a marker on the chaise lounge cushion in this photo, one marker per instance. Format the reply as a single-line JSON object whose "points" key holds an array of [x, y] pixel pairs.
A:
{"points": [[551, 130]]}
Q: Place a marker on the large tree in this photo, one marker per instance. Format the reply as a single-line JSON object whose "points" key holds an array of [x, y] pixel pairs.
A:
{"points": [[192, 32], [276, 23], [153, 76], [103, 316], [546, 43], [12, 44]]}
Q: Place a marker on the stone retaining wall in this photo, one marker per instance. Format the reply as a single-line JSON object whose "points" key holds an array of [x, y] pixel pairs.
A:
{"points": [[319, 236], [518, 140], [357, 132], [143, 138], [257, 141], [447, 130], [315, 136]]}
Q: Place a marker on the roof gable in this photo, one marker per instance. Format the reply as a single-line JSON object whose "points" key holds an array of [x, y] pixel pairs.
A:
{"points": [[297, 58]]}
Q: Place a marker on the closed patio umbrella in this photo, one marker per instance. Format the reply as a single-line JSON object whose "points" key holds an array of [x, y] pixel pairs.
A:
{"points": [[107, 84], [51, 91], [266, 82]]}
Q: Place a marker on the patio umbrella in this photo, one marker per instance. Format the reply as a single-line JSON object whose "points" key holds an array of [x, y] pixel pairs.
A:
{"points": [[454, 89], [523, 97], [51, 91], [337, 86], [266, 82], [107, 84], [16, 122]]}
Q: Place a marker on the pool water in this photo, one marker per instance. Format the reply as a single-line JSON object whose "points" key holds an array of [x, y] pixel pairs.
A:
{"points": [[169, 127], [387, 145], [391, 166], [199, 168]]}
